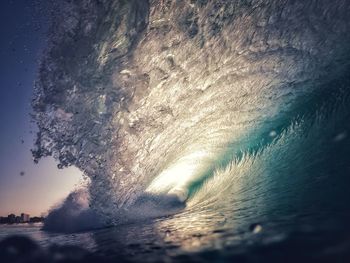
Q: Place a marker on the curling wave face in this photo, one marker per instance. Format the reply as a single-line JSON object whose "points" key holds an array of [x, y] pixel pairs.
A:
{"points": [[195, 106]]}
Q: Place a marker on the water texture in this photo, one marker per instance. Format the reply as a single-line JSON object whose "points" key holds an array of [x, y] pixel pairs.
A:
{"points": [[224, 124]]}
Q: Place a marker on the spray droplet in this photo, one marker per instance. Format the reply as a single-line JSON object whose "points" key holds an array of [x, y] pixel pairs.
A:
{"points": [[340, 137], [167, 233], [255, 228], [22, 173], [272, 133]]}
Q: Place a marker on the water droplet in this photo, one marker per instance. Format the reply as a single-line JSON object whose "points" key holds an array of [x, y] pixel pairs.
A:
{"points": [[272, 133], [255, 228], [167, 232], [340, 137]]}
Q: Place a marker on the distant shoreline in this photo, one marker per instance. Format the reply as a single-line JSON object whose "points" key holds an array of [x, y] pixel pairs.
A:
{"points": [[25, 223], [23, 219]]}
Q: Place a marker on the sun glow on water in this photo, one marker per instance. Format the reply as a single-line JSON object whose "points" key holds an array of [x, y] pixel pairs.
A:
{"points": [[177, 178]]}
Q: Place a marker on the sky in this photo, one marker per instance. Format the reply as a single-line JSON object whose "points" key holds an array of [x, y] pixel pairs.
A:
{"points": [[24, 186]]}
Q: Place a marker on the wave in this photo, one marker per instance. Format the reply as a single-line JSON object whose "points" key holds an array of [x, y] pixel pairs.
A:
{"points": [[177, 101]]}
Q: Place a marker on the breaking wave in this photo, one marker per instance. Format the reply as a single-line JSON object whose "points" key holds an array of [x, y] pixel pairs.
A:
{"points": [[73, 215], [173, 107]]}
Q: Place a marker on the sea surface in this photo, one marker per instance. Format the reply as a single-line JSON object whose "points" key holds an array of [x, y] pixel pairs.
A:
{"points": [[46, 239], [206, 130], [208, 238]]}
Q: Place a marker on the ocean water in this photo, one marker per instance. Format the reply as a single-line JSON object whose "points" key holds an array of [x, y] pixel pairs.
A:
{"points": [[182, 238], [46, 239], [207, 130]]}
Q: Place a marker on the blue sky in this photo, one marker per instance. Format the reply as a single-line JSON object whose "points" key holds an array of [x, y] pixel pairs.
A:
{"points": [[23, 23]]}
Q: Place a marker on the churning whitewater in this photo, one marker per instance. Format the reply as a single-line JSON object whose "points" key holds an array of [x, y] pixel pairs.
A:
{"points": [[209, 111]]}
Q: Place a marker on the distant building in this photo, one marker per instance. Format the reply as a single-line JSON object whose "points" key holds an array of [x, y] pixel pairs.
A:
{"points": [[11, 218], [25, 218], [4, 220]]}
